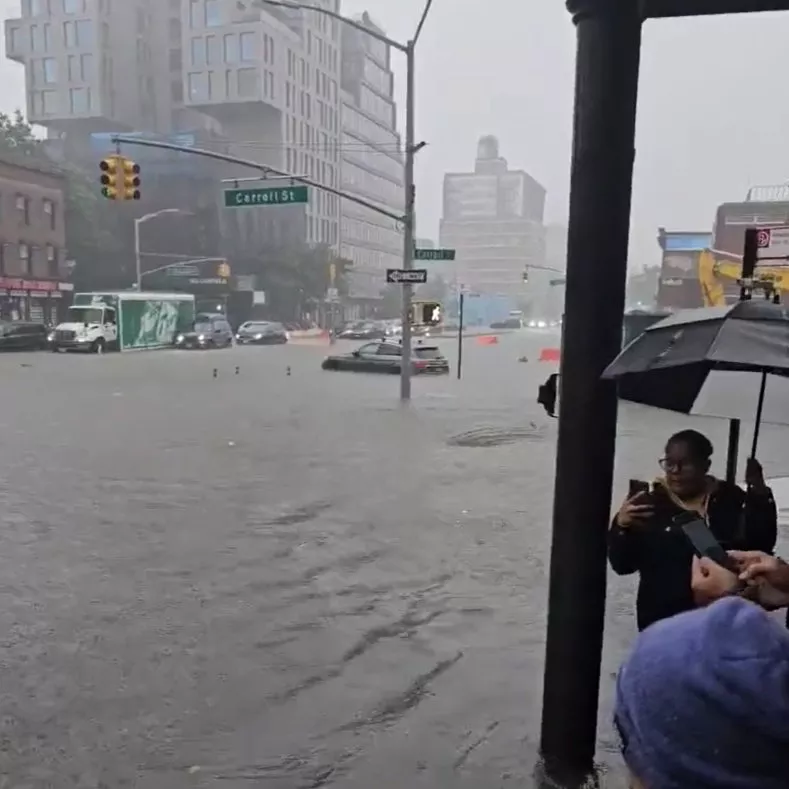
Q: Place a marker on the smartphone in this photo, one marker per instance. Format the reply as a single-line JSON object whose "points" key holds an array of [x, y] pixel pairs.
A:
{"points": [[662, 502], [637, 486], [703, 541]]}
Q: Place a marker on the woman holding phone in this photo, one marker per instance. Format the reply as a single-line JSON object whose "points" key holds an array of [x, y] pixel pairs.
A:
{"points": [[643, 540]]}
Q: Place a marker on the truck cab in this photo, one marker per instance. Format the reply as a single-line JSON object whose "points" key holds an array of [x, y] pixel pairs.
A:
{"points": [[92, 328]]}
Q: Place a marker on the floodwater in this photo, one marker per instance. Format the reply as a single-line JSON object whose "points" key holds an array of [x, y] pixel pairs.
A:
{"points": [[278, 577]]}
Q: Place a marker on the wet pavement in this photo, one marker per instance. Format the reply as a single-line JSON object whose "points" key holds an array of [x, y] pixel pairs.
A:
{"points": [[284, 580]]}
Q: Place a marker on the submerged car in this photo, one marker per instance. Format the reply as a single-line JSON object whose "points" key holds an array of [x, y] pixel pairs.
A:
{"points": [[207, 332], [386, 356], [261, 333]]}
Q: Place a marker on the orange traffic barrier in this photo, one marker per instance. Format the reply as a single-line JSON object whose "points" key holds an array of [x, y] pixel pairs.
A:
{"points": [[550, 355], [488, 339]]}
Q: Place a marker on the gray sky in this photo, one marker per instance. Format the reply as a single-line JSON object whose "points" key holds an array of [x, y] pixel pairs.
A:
{"points": [[713, 115]]}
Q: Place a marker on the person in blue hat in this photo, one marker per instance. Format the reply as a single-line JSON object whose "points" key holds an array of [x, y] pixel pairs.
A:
{"points": [[702, 702]]}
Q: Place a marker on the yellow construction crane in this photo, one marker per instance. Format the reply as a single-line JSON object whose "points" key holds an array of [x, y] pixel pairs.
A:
{"points": [[718, 269]]}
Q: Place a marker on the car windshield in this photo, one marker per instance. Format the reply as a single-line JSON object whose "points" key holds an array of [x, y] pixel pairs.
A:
{"points": [[427, 353], [257, 326], [85, 314], [203, 327]]}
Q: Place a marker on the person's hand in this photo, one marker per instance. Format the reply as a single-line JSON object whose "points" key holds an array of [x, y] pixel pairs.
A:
{"points": [[767, 575], [754, 475], [634, 511], [710, 581]]}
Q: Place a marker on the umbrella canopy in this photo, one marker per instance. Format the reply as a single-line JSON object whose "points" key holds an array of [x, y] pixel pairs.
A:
{"points": [[710, 361]]}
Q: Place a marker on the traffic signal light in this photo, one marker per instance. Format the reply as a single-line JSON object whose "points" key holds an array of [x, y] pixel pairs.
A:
{"points": [[109, 177], [131, 180], [525, 275]]}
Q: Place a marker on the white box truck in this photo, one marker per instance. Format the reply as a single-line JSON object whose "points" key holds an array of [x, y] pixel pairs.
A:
{"points": [[123, 321]]}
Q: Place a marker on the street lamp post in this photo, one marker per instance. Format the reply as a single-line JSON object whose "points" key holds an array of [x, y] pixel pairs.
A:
{"points": [[137, 223], [411, 148]]}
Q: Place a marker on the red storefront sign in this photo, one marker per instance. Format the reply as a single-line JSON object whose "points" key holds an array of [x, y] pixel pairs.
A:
{"points": [[39, 285]]}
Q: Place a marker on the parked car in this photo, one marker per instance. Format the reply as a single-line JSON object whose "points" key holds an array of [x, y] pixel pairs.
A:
{"points": [[261, 333], [362, 330], [385, 356], [23, 336], [208, 331]]}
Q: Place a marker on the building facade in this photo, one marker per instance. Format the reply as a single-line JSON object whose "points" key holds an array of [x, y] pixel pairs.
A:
{"points": [[262, 84], [33, 265], [493, 217], [372, 163]]}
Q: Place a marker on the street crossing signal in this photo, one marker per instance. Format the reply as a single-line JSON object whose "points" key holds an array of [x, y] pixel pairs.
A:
{"points": [[427, 313], [110, 168], [131, 180]]}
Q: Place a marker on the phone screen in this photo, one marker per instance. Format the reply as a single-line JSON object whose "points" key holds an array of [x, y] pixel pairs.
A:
{"points": [[705, 544]]}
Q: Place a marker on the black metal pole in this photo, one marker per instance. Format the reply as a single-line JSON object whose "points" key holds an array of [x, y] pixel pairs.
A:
{"points": [[759, 409], [607, 65], [461, 299], [733, 450]]}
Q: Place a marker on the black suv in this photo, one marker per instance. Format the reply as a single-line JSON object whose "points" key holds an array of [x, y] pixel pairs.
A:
{"points": [[23, 336]]}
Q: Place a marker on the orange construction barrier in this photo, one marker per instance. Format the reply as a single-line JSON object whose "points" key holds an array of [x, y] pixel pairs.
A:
{"points": [[488, 339], [550, 355]]}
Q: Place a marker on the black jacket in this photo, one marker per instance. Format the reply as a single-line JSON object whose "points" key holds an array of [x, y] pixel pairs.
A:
{"points": [[663, 556]]}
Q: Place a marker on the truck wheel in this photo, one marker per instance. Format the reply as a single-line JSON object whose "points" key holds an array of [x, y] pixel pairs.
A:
{"points": [[98, 346]]}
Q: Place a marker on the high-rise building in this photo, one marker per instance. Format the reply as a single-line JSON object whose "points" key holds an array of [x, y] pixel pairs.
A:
{"points": [[93, 66], [493, 217], [267, 81], [372, 163], [271, 77]]}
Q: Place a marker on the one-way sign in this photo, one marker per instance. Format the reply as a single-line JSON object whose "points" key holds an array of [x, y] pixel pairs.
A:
{"points": [[400, 276]]}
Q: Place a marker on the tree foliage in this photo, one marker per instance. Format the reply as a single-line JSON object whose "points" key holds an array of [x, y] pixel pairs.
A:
{"points": [[296, 279], [91, 238]]}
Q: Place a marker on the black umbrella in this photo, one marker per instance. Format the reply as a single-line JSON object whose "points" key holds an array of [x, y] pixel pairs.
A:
{"points": [[714, 361]]}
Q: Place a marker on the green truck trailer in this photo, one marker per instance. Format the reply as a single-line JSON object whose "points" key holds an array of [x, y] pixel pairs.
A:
{"points": [[123, 321]]}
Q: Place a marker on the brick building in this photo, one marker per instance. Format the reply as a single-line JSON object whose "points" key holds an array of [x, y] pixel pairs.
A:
{"points": [[32, 240]]}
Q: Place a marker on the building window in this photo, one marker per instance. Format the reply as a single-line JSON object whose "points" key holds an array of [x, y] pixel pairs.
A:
{"points": [[80, 100], [213, 15], [69, 34], [86, 67], [49, 212], [198, 52], [49, 70], [230, 49], [33, 7], [197, 86], [212, 50], [52, 261], [24, 258], [194, 13], [84, 32], [248, 48], [248, 83], [73, 6], [23, 206]]}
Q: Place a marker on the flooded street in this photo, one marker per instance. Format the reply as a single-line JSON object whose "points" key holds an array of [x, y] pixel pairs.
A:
{"points": [[285, 580]]}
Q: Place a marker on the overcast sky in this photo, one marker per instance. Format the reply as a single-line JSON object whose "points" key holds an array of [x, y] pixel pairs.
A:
{"points": [[713, 113]]}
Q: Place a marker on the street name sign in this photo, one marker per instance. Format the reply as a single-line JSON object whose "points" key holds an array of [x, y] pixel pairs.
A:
{"points": [[434, 254], [279, 195], [400, 276], [772, 243]]}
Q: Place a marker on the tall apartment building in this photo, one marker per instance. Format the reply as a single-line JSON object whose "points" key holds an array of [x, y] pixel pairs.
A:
{"points": [[271, 78], [267, 81], [493, 217], [372, 163]]}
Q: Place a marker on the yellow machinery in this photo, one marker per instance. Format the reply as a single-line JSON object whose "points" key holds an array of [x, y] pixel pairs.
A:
{"points": [[717, 270]]}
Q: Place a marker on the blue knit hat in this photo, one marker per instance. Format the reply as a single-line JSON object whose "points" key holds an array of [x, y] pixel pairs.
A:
{"points": [[703, 701]]}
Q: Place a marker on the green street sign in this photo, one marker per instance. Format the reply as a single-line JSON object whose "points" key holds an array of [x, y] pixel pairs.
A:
{"points": [[279, 195], [434, 254]]}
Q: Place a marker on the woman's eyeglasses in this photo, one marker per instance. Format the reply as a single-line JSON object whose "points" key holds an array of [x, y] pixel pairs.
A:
{"points": [[677, 466]]}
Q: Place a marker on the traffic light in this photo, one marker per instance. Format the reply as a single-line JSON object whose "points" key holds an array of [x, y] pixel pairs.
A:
{"points": [[525, 275], [131, 180], [109, 177], [430, 313]]}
